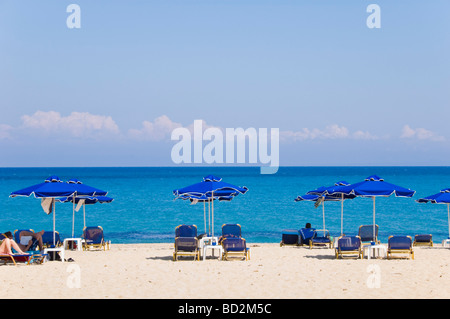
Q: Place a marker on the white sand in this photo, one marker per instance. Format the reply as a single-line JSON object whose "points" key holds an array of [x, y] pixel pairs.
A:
{"points": [[147, 271]]}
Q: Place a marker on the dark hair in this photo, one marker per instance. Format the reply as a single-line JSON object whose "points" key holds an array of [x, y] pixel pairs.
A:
{"points": [[8, 234], [308, 225]]}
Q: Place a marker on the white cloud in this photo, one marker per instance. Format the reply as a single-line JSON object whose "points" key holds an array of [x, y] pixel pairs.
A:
{"points": [[77, 124], [5, 131], [158, 130], [330, 132], [420, 134]]}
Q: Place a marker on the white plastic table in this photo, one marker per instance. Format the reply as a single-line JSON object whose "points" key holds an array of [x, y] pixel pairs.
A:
{"points": [[209, 240], [77, 240], [213, 247], [375, 250], [446, 242], [60, 249]]}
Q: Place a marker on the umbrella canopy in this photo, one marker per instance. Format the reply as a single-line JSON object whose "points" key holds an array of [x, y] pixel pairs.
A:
{"points": [[210, 189], [443, 197], [86, 190], [211, 185], [51, 188], [373, 186], [334, 190]]}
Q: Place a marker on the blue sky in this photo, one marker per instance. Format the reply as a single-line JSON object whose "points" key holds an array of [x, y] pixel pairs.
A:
{"points": [[110, 93]]}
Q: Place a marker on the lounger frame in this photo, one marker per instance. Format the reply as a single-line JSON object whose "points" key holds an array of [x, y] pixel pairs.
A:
{"points": [[349, 253]]}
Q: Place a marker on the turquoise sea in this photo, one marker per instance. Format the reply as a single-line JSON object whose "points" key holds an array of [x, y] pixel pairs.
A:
{"points": [[144, 210]]}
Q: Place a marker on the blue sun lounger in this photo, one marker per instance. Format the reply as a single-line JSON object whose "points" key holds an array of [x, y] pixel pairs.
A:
{"points": [[365, 232], [47, 239], [400, 245], [348, 245], [290, 237], [232, 242], [186, 242], [423, 240], [93, 237], [321, 237]]}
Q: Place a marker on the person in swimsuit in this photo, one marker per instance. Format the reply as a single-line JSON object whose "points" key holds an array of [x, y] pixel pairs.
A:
{"points": [[7, 244]]}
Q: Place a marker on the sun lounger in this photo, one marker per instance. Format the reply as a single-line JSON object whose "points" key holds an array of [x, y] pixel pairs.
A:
{"points": [[348, 245], [321, 237], [423, 240], [47, 239], [26, 259], [400, 245], [24, 239], [93, 238], [186, 242], [234, 245], [305, 235], [290, 237], [365, 232]]}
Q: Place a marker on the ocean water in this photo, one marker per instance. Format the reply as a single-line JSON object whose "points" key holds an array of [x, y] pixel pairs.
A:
{"points": [[144, 209]]}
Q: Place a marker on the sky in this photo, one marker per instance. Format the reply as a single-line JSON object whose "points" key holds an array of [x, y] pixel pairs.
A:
{"points": [[111, 92]]}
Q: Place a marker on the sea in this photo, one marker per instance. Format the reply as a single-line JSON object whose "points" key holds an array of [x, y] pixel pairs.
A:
{"points": [[144, 209]]}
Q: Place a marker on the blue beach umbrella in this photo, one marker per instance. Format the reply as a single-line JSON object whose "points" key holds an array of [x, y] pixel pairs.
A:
{"points": [[443, 197], [210, 189], [332, 190], [373, 186], [51, 188]]}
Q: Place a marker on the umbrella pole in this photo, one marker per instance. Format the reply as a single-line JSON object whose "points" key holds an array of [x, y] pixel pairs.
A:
{"points": [[54, 224], [204, 214], [374, 237], [323, 213], [448, 214], [84, 215], [73, 216], [209, 217], [342, 214], [212, 215]]}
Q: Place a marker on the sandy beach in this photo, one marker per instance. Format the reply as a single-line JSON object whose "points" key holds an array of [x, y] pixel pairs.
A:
{"points": [[273, 272]]}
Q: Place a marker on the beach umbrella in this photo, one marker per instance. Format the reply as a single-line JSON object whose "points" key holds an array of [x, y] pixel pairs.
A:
{"points": [[50, 189], [333, 190], [443, 197], [372, 187], [209, 189], [83, 200]]}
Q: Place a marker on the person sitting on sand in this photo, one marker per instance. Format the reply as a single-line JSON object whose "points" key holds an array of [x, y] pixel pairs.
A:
{"points": [[7, 244], [31, 239]]}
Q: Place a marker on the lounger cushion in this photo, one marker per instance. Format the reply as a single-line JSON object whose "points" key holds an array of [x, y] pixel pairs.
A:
{"points": [[422, 238], [234, 244], [349, 243], [186, 231], [186, 243], [399, 242]]}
